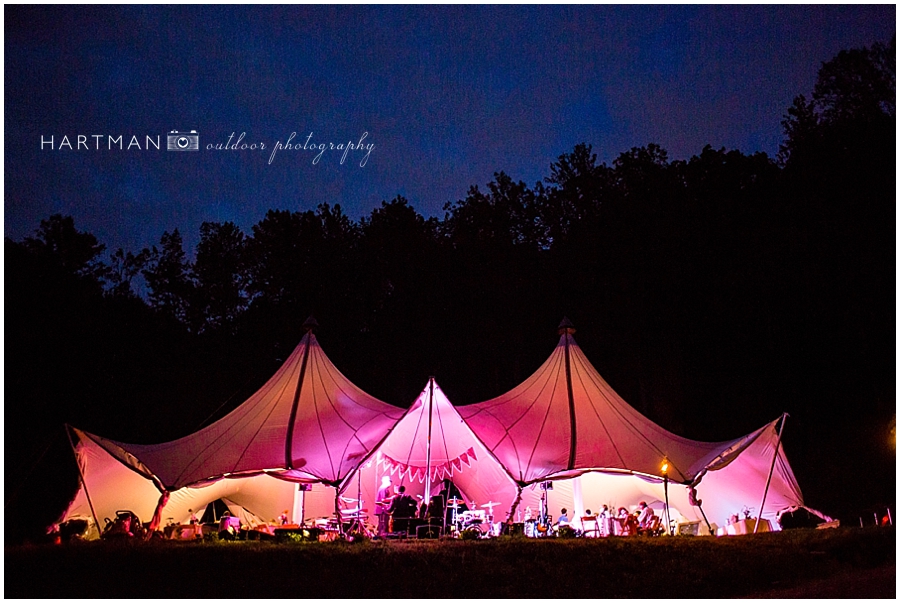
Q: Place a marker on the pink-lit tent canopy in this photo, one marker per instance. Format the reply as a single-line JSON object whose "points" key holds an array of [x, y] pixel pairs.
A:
{"points": [[308, 423], [454, 453], [565, 421]]}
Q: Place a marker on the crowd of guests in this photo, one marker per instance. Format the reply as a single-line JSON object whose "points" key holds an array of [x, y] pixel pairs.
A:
{"points": [[620, 523]]}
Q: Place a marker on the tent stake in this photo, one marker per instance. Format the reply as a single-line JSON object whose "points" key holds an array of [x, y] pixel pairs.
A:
{"points": [[771, 469]]}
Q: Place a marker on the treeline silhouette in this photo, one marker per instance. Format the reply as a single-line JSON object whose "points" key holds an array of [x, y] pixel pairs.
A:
{"points": [[712, 293]]}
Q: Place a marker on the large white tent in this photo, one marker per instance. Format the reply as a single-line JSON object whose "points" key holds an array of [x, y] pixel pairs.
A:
{"points": [[310, 425], [307, 424], [566, 423]]}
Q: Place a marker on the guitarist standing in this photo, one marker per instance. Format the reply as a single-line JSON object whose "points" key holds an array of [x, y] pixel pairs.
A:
{"points": [[383, 501]]}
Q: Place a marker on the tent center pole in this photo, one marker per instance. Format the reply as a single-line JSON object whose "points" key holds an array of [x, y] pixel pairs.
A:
{"points": [[289, 438], [428, 444]]}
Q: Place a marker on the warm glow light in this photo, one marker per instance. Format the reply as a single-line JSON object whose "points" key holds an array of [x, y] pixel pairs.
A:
{"points": [[665, 466]]}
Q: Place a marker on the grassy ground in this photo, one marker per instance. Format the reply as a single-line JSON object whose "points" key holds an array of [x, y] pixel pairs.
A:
{"points": [[680, 567]]}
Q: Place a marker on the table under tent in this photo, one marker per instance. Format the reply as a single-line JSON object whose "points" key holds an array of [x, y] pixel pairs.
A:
{"points": [[566, 425], [307, 425]]}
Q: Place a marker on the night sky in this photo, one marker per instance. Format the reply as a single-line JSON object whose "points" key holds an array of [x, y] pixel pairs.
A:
{"points": [[446, 95]]}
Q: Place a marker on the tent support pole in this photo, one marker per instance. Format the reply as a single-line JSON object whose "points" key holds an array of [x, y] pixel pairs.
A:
{"points": [[666, 490], [771, 469], [708, 525], [289, 439], [337, 510], [428, 448], [572, 426], [157, 515], [515, 505], [84, 483]]}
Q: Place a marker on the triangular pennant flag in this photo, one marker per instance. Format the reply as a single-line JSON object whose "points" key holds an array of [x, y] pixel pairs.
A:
{"points": [[471, 452]]}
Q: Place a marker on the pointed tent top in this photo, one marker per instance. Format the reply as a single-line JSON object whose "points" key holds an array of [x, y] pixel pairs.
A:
{"points": [[311, 323], [328, 413], [566, 326]]}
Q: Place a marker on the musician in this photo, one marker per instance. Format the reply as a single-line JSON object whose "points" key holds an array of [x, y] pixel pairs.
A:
{"points": [[383, 500], [436, 506], [403, 508]]}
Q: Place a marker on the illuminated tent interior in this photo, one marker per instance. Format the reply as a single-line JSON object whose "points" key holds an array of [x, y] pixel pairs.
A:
{"points": [[455, 454], [307, 424], [566, 423]]}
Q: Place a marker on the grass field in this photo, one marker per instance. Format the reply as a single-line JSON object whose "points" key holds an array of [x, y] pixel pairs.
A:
{"points": [[678, 567]]}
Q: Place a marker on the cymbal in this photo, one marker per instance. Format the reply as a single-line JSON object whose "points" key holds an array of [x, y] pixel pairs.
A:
{"points": [[347, 499], [490, 504], [455, 501]]}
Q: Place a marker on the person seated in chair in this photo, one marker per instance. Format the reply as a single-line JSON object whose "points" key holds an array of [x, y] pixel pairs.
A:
{"points": [[563, 519], [645, 518], [626, 523]]}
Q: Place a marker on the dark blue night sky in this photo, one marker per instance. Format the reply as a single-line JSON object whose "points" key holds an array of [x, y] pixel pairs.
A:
{"points": [[447, 95]]}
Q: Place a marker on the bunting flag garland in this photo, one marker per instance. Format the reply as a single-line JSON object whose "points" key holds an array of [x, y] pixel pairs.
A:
{"points": [[438, 471]]}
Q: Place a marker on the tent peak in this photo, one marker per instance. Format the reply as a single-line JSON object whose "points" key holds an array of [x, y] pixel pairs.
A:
{"points": [[310, 324], [566, 326]]}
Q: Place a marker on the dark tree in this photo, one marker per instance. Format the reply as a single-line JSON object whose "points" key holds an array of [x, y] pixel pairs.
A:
{"points": [[60, 244], [123, 268], [220, 275], [169, 278]]}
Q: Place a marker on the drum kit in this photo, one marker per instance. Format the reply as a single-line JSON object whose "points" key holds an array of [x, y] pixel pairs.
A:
{"points": [[475, 519], [353, 517]]}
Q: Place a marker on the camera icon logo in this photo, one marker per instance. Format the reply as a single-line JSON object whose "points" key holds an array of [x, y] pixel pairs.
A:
{"points": [[183, 141]]}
